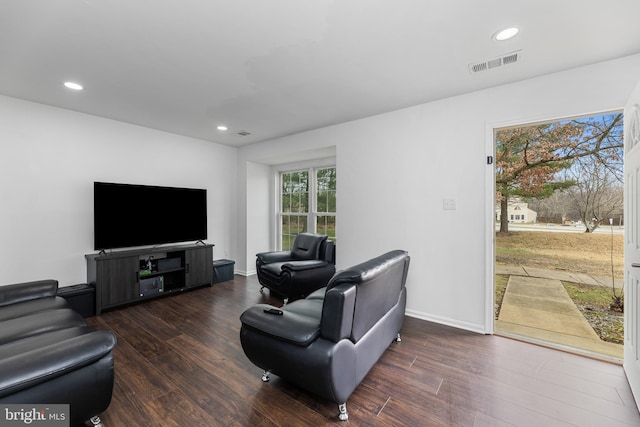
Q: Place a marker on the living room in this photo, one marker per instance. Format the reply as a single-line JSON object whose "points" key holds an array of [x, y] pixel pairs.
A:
{"points": [[53, 156], [394, 170]]}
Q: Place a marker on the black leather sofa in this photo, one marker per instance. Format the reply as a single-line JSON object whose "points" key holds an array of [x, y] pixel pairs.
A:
{"points": [[296, 273], [327, 343], [48, 354]]}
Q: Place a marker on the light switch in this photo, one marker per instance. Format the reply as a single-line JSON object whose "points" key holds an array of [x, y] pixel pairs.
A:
{"points": [[449, 204]]}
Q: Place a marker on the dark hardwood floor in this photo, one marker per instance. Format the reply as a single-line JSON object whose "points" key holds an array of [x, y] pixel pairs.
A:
{"points": [[179, 362]]}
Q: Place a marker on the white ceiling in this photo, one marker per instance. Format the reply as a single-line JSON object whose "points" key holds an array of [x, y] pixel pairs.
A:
{"points": [[279, 67]]}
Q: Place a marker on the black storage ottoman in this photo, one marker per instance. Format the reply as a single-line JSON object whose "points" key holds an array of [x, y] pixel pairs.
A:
{"points": [[222, 270], [82, 298]]}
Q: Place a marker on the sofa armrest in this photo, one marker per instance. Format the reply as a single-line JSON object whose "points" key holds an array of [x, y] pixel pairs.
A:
{"points": [[337, 312], [293, 327], [278, 256], [19, 292], [328, 251], [25, 370], [310, 264]]}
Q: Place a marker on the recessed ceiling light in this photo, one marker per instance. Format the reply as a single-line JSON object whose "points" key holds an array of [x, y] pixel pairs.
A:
{"points": [[74, 86], [222, 127], [506, 34]]}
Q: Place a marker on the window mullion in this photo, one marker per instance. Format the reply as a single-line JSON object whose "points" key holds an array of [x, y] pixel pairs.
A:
{"points": [[313, 203]]}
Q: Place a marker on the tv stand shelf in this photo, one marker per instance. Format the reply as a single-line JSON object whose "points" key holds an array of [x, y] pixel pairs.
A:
{"points": [[126, 277]]}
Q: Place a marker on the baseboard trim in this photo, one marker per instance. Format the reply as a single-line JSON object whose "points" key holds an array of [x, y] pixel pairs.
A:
{"points": [[245, 273], [472, 327]]}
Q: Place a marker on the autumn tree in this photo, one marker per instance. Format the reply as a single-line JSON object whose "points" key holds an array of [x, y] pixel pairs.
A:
{"points": [[529, 159]]}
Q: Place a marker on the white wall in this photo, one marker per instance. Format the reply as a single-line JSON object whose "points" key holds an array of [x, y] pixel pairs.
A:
{"points": [[395, 169], [259, 203], [49, 159]]}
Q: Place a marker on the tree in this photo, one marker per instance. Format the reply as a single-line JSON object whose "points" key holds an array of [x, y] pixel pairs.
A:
{"points": [[555, 208], [597, 195], [529, 159]]}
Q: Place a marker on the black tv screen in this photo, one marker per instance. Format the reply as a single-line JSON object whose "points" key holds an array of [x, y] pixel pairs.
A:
{"points": [[127, 215]]}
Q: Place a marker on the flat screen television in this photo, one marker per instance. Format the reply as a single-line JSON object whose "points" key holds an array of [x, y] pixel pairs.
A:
{"points": [[127, 215]]}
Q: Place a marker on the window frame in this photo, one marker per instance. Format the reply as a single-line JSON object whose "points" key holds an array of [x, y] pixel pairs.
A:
{"points": [[312, 214], [315, 214]]}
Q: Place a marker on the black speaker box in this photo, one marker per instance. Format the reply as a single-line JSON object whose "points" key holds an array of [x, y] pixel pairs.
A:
{"points": [[165, 264], [151, 286]]}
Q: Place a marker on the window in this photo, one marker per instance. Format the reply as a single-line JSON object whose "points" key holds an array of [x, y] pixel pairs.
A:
{"points": [[325, 212], [294, 207], [307, 204]]}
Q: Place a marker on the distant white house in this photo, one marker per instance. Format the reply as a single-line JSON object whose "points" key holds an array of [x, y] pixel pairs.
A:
{"points": [[518, 212]]}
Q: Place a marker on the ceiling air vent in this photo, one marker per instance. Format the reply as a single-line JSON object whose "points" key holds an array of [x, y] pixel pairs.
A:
{"points": [[478, 67], [509, 58]]}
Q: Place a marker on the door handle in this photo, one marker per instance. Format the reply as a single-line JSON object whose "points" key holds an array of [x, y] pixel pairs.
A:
{"points": [[635, 264]]}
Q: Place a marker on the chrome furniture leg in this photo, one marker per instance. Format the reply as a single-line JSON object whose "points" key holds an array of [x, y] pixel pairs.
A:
{"points": [[95, 421], [398, 339], [265, 376], [343, 412]]}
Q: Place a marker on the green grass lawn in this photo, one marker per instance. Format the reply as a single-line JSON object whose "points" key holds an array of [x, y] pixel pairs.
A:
{"points": [[576, 252], [594, 303]]}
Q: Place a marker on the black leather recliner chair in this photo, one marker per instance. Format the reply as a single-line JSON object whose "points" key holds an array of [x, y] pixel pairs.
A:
{"points": [[296, 273], [328, 342]]}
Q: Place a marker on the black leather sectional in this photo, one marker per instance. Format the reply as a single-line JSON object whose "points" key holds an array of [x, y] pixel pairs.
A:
{"points": [[48, 354]]}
